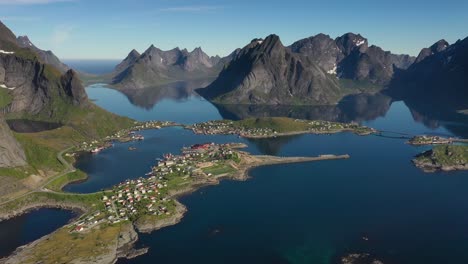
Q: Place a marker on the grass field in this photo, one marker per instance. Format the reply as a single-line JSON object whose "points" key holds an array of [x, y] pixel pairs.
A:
{"points": [[59, 183], [5, 97], [449, 155], [219, 169], [83, 246]]}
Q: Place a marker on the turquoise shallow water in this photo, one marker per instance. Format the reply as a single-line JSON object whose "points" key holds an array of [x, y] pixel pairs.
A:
{"points": [[297, 213]]}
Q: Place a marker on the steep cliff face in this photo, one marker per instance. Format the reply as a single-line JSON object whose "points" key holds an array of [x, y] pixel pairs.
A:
{"points": [[266, 72], [36, 87], [11, 153]]}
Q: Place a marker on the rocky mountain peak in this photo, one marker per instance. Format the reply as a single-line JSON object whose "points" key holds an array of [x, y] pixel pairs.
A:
{"points": [[24, 42], [321, 49], [350, 41], [437, 47], [134, 54]]}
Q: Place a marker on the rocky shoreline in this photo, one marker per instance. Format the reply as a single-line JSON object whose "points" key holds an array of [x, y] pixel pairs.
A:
{"points": [[443, 158], [78, 209], [430, 167]]}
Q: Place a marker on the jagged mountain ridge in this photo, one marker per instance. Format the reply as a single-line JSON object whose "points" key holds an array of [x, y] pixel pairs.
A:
{"points": [[439, 77], [349, 56], [328, 69], [155, 67], [46, 56], [266, 72]]}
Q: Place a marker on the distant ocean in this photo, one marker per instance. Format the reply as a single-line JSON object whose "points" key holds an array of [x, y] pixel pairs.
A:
{"points": [[92, 66]]}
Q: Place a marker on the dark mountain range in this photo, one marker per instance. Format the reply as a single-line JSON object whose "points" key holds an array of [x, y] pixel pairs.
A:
{"points": [[266, 72], [156, 67], [350, 57], [439, 77], [317, 70], [46, 56]]}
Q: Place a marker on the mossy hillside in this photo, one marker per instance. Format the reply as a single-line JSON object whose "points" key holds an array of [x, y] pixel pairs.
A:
{"points": [[448, 155], [90, 202], [57, 184], [84, 246]]}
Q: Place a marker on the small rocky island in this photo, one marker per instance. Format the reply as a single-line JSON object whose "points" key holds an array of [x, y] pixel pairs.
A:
{"points": [[443, 158], [359, 258], [268, 127], [105, 230]]}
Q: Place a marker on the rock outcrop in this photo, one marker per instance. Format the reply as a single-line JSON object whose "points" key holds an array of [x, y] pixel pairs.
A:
{"points": [[11, 152]]}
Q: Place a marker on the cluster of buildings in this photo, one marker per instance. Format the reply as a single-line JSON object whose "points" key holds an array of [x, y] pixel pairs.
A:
{"points": [[429, 140], [149, 195], [229, 128], [327, 126], [124, 135]]}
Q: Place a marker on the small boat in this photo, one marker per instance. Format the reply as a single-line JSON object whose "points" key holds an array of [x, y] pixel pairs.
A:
{"points": [[97, 150], [132, 148]]}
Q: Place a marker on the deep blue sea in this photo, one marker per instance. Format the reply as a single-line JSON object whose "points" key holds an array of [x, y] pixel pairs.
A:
{"points": [[296, 213]]}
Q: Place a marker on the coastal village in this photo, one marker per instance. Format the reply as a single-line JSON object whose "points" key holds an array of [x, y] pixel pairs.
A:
{"points": [[124, 135], [276, 127], [150, 195]]}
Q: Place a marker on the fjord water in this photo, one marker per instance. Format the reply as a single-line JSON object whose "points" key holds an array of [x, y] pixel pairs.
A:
{"points": [[295, 213], [300, 213], [29, 227]]}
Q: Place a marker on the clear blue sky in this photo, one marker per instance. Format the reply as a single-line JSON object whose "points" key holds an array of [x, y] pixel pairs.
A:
{"points": [[110, 29]]}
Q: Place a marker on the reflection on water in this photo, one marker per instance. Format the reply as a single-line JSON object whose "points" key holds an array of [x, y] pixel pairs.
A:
{"points": [[29, 126], [178, 105], [147, 98], [355, 108], [179, 102]]}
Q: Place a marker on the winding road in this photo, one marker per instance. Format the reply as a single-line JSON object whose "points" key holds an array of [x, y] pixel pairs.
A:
{"points": [[68, 169]]}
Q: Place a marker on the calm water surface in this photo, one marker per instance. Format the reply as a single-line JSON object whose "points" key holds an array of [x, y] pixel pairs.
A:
{"points": [[297, 213], [29, 227], [304, 213]]}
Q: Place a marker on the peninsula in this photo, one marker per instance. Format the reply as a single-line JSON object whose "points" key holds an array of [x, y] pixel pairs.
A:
{"points": [[268, 127], [105, 230]]}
